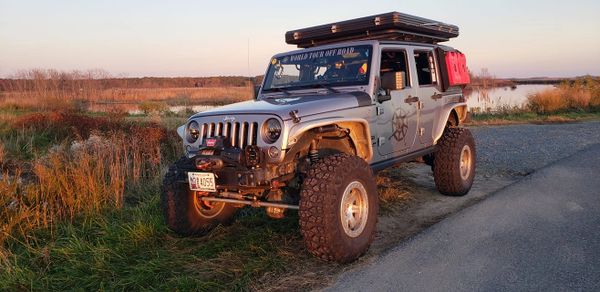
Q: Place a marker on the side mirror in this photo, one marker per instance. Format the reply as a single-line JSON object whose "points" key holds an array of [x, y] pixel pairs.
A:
{"points": [[383, 97], [393, 81], [256, 90]]}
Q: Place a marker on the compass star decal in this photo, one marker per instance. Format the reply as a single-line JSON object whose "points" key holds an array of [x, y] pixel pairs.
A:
{"points": [[399, 125]]}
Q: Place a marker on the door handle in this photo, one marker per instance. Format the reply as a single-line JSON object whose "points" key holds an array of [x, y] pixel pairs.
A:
{"points": [[437, 96], [411, 99]]}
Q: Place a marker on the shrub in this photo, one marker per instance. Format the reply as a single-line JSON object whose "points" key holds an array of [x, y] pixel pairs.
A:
{"points": [[152, 107], [66, 124], [580, 95], [105, 160], [549, 100]]}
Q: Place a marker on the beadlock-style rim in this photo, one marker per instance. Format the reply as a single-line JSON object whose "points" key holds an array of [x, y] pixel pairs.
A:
{"points": [[354, 209], [465, 162]]}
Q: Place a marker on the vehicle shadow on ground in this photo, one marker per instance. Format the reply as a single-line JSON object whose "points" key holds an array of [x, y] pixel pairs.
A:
{"points": [[409, 203]]}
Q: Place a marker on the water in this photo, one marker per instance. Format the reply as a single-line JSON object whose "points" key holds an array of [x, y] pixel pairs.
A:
{"points": [[490, 99], [194, 108], [477, 99], [134, 108]]}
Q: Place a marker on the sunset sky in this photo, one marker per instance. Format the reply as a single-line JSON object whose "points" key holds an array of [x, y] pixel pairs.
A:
{"points": [[512, 38]]}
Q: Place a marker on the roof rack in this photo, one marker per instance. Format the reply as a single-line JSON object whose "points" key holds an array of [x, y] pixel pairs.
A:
{"points": [[388, 26]]}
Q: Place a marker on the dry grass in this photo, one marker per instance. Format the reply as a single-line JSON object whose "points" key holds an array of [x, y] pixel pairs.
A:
{"points": [[52, 90], [62, 100], [582, 95], [2, 153], [97, 160], [215, 95], [393, 187], [549, 100]]}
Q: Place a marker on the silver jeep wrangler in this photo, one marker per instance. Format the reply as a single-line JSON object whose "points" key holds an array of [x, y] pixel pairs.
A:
{"points": [[362, 95]]}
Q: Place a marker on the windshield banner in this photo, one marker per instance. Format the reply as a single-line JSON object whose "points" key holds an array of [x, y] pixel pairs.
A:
{"points": [[322, 54]]}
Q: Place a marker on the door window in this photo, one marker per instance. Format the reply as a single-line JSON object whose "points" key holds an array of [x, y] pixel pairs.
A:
{"points": [[395, 61], [425, 68]]}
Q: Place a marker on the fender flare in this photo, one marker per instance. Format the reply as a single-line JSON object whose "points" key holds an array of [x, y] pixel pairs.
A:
{"points": [[181, 131], [360, 133], [459, 109]]}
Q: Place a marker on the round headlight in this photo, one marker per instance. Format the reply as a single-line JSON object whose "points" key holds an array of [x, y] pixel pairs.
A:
{"points": [[271, 131], [193, 132]]}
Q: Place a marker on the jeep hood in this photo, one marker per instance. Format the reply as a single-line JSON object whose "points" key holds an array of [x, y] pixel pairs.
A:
{"points": [[306, 105]]}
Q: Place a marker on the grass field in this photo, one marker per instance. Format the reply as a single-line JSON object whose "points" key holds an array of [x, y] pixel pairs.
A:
{"points": [[81, 211], [59, 91], [155, 97], [79, 198]]}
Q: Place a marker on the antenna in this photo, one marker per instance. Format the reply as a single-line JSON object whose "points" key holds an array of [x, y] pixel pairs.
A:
{"points": [[249, 77]]}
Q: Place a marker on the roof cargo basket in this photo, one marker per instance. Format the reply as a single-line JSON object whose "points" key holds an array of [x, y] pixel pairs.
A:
{"points": [[388, 26]]}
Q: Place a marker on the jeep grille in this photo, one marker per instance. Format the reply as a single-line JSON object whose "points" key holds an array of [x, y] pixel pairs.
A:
{"points": [[241, 134]]}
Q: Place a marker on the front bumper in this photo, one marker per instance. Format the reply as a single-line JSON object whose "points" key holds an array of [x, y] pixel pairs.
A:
{"points": [[229, 176]]}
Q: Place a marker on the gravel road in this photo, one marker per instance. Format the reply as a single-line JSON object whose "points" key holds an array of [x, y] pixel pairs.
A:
{"points": [[540, 233], [520, 149], [505, 154]]}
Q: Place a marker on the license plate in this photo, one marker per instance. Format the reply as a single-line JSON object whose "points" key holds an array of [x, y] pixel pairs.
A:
{"points": [[202, 181]]}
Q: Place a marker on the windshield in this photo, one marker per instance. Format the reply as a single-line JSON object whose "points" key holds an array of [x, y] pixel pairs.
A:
{"points": [[347, 65]]}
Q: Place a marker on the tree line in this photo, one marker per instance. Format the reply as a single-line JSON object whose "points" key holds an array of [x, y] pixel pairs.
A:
{"points": [[99, 79]]}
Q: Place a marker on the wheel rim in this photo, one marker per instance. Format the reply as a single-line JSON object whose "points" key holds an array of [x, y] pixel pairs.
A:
{"points": [[354, 209], [207, 209], [465, 162]]}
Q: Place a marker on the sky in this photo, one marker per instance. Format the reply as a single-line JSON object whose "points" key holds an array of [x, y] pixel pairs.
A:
{"points": [[511, 38]]}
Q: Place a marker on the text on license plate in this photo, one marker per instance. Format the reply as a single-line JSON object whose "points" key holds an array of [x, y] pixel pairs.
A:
{"points": [[202, 181]]}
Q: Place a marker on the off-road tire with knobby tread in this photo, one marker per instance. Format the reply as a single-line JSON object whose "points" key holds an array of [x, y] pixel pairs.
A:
{"points": [[320, 203], [446, 164], [178, 204]]}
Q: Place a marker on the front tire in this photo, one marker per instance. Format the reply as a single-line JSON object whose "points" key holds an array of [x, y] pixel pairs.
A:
{"points": [[183, 210], [338, 208], [454, 164]]}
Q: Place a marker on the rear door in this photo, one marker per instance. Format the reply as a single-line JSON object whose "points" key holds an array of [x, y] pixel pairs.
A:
{"points": [[430, 97]]}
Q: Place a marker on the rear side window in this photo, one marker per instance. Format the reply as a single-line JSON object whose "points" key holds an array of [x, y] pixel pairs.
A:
{"points": [[425, 67]]}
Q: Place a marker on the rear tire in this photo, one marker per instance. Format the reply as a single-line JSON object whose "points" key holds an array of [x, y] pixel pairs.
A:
{"points": [[338, 208], [184, 212], [454, 164]]}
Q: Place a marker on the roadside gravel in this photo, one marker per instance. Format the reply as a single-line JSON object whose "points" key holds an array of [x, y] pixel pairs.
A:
{"points": [[505, 154], [520, 150]]}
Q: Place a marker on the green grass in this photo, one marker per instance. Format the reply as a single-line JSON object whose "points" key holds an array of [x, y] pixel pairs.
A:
{"points": [[131, 248], [532, 117], [24, 145]]}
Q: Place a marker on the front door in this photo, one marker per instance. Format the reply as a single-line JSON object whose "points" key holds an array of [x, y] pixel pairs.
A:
{"points": [[398, 118]]}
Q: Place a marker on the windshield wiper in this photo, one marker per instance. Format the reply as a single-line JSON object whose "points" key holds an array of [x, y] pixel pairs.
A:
{"points": [[321, 85], [277, 89], [316, 85]]}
